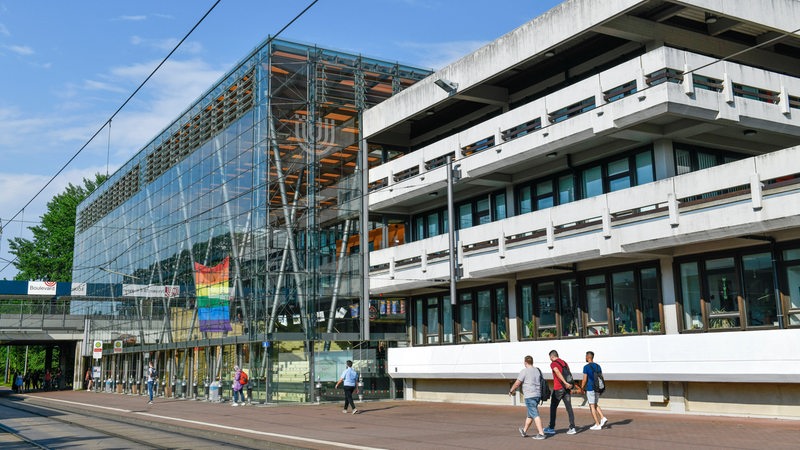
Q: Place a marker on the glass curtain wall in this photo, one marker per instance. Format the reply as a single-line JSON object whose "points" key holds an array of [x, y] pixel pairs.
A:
{"points": [[237, 228]]}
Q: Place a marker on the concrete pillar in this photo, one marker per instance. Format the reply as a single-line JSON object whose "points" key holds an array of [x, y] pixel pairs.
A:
{"points": [[663, 159], [513, 319], [668, 296]]}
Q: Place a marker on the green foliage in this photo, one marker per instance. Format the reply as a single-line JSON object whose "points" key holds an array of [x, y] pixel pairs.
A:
{"points": [[48, 256], [16, 358]]}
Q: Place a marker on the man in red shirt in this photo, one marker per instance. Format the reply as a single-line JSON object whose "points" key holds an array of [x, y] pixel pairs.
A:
{"points": [[561, 391]]}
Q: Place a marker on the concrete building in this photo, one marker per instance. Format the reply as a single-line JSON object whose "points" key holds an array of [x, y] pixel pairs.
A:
{"points": [[625, 179]]}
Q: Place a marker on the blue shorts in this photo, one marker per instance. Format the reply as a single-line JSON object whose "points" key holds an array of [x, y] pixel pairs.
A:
{"points": [[532, 403]]}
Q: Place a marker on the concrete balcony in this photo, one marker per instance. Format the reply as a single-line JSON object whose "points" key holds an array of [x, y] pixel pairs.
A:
{"points": [[755, 195], [665, 93]]}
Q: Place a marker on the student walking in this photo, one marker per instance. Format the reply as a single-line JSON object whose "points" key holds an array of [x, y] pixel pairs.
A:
{"points": [[561, 391], [349, 378], [530, 378], [238, 396], [151, 378], [592, 396]]}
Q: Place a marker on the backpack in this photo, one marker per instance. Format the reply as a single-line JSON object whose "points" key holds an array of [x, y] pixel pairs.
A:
{"points": [[598, 382], [567, 374], [153, 372], [544, 389], [243, 378]]}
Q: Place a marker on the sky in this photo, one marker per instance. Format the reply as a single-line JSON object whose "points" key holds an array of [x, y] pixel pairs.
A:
{"points": [[66, 67]]}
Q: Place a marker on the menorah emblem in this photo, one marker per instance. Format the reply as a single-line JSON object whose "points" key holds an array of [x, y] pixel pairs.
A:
{"points": [[323, 134]]}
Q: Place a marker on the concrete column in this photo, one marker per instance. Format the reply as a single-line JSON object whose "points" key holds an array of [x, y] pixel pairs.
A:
{"points": [[668, 296], [663, 159], [513, 320]]}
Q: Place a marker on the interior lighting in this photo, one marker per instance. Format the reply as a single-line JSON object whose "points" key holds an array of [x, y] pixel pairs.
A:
{"points": [[552, 154], [710, 18], [749, 132], [549, 53]]}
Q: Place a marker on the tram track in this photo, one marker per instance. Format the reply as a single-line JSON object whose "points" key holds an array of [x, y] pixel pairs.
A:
{"points": [[121, 429]]}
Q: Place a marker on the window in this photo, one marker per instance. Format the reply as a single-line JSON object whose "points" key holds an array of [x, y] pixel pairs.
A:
{"points": [[525, 202], [651, 311], [791, 288], [732, 291], [596, 305], [544, 195], [592, 182], [645, 171], [724, 293], [566, 189], [465, 216], [432, 314], [433, 225], [483, 211], [447, 320], [419, 322], [619, 175], [484, 316], [501, 314], [526, 296], [692, 298], [759, 298], [465, 327], [500, 206], [570, 309], [546, 310], [625, 301]]}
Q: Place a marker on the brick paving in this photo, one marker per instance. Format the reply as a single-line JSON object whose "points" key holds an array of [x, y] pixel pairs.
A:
{"points": [[423, 425]]}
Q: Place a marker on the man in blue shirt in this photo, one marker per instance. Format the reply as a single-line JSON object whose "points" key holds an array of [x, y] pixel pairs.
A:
{"points": [[592, 396], [349, 378]]}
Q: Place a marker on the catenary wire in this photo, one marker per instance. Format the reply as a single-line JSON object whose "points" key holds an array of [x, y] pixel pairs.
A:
{"points": [[136, 91]]}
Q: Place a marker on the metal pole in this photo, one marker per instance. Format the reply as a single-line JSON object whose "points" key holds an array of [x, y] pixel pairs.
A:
{"points": [[26, 360], [451, 230], [364, 231]]}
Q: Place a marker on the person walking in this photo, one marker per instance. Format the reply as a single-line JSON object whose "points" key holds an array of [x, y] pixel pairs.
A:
{"points": [[349, 378], [238, 396], [151, 378], [530, 378], [562, 389], [592, 396], [87, 379]]}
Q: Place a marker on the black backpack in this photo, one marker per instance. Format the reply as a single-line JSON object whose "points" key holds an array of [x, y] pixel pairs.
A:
{"points": [[567, 374], [598, 382], [544, 389]]}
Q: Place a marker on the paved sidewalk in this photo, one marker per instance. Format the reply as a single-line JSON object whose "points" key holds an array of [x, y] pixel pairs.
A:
{"points": [[418, 425]]}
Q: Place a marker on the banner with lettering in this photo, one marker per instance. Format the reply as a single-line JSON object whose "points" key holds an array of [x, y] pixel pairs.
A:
{"points": [[211, 285]]}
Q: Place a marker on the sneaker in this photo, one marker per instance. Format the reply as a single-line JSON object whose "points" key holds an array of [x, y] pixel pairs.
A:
{"points": [[603, 422], [538, 437], [355, 411], [344, 411], [549, 430], [571, 431], [522, 432], [595, 427], [234, 404], [150, 402]]}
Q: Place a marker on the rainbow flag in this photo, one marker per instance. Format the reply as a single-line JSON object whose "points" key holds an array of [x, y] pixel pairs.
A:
{"points": [[211, 285]]}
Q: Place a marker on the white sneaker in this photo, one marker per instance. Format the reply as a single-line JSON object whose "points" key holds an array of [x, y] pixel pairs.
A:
{"points": [[603, 422], [234, 404], [571, 431], [344, 411], [596, 427], [355, 411]]}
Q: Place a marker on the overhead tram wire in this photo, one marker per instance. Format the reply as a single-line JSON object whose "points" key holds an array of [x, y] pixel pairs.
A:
{"points": [[136, 91]]}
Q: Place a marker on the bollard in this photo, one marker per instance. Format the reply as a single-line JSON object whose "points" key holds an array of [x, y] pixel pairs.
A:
{"points": [[172, 391], [194, 390], [360, 391], [205, 388], [249, 393], [163, 389], [183, 388], [318, 391]]}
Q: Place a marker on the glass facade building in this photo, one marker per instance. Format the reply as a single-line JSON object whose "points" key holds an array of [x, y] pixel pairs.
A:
{"points": [[233, 237]]}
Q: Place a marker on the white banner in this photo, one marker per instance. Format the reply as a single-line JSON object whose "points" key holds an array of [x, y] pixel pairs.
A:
{"points": [[97, 350], [41, 288], [150, 290], [117, 346]]}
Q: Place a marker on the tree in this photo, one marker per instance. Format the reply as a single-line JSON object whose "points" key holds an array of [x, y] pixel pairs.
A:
{"points": [[49, 255]]}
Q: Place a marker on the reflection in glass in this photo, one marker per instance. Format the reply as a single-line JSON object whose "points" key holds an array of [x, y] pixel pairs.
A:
{"points": [[546, 302], [465, 318], [691, 296], [484, 316], [651, 316], [570, 311], [527, 311], [501, 306], [758, 288], [624, 297]]}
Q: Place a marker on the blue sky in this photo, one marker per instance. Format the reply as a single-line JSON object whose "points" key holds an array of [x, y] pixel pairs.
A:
{"points": [[66, 66]]}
